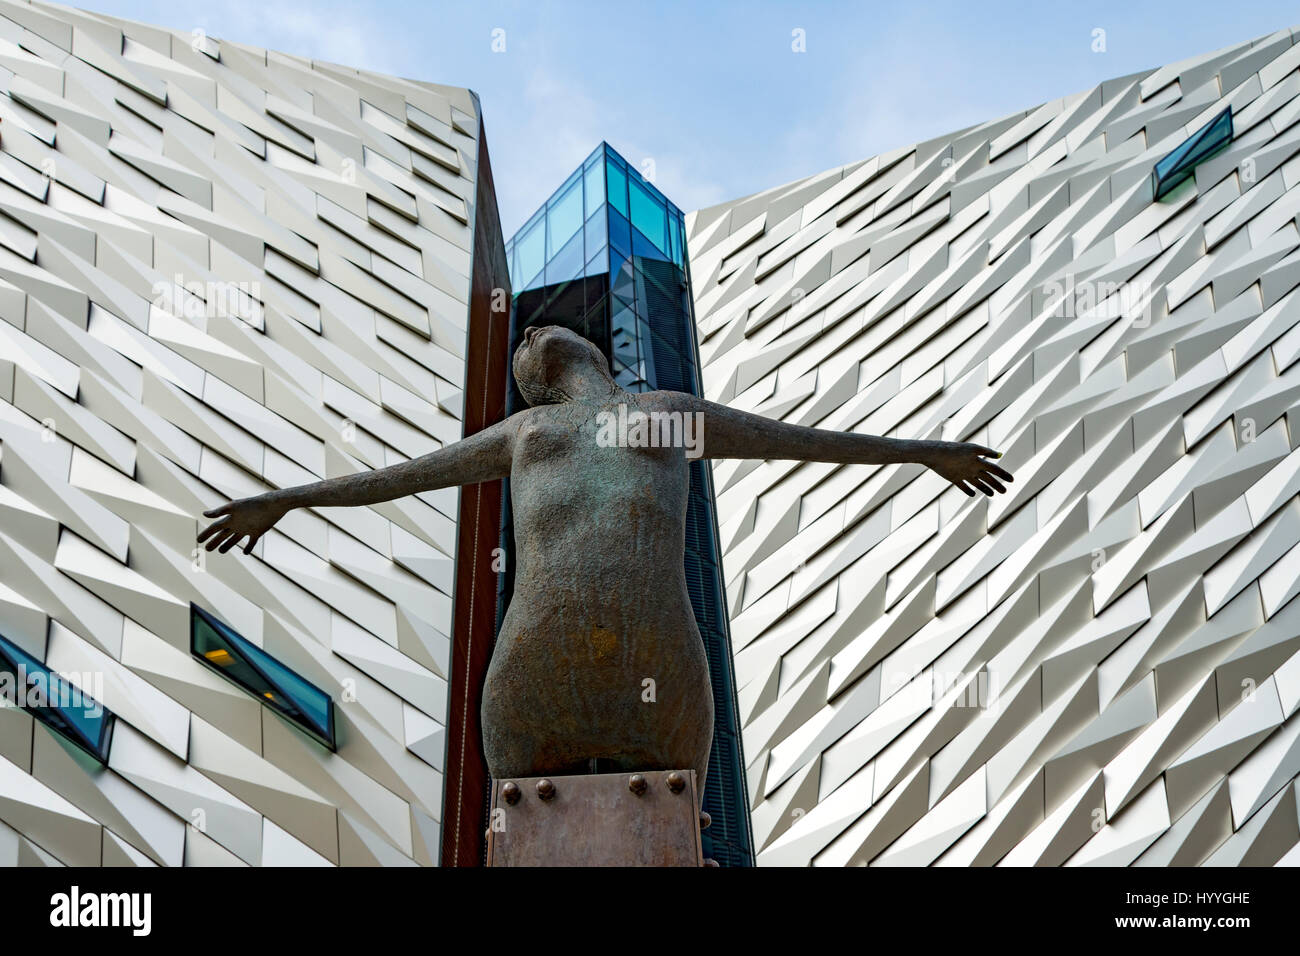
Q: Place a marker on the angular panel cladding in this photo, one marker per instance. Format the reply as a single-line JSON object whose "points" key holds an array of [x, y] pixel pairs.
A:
{"points": [[223, 270], [1101, 667]]}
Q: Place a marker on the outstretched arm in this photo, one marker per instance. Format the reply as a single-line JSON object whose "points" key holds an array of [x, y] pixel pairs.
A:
{"points": [[483, 456], [731, 433]]}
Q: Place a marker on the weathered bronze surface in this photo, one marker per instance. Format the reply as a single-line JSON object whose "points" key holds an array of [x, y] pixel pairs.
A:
{"points": [[597, 820], [599, 658]]}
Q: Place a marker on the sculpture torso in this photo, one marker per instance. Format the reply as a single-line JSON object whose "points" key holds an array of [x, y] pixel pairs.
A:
{"points": [[599, 656]]}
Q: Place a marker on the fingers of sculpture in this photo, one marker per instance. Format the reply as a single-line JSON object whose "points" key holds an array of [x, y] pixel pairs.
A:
{"points": [[967, 466], [236, 520]]}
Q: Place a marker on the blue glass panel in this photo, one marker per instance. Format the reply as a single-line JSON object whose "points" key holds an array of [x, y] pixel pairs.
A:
{"points": [[1216, 136], [648, 215], [623, 336], [622, 278], [81, 710], [1206, 139], [530, 253], [620, 234], [563, 219], [313, 702], [57, 703], [244, 663], [567, 263], [597, 264], [596, 232], [642, 306], [1179, 164], [616, 183], [595, 289], [623, 320], [595, 188], [643, 247], [1165, 166]]}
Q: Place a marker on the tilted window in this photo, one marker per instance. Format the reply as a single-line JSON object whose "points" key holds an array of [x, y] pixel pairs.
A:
{"points": [[286, 692], [1181, 163], [57, 703]]}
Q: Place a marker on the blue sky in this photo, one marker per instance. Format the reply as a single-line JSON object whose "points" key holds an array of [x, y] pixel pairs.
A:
{"points": [[714, 93]]}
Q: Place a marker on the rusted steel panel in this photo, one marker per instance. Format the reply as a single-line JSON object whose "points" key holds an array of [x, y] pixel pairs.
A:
{"points": [[608, 819]]}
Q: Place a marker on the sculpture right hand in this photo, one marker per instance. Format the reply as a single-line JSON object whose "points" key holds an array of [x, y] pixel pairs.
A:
{"points": [[967, 466], [247, 517]]}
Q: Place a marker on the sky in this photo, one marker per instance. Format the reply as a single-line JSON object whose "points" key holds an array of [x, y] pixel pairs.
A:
{"points": [[714, 101]]}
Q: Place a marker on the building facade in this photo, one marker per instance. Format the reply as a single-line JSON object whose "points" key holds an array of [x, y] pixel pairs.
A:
{"points": [[1103, 665], [225, 269]]}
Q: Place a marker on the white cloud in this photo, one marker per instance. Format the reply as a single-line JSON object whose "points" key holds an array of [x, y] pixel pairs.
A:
{"points": [[337, 32], [555, 123], [542, 135]]}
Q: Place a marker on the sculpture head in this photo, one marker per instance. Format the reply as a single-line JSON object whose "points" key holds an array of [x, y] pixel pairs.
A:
{"points": [[554, 364]]}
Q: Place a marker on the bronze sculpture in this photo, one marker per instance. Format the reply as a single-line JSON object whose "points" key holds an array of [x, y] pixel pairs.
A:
{"points": [[599, 662]]}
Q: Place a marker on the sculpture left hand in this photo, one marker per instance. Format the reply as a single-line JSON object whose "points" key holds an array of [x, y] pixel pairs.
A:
{"points": [[247, 517], [965, 465]]}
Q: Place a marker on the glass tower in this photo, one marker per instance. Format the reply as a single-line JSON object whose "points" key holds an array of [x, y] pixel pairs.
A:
{"points": [[606, 257]]}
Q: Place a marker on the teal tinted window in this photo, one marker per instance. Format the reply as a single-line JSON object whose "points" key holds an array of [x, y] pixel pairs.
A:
{"points": [[283, 690], [564, 218], [620, 235], [616, 182], [643, 248], [648, 215], [1176, 167], [57, 703]]}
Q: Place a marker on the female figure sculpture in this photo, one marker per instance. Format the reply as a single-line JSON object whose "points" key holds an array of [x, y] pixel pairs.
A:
{"points": [[600, 605]]}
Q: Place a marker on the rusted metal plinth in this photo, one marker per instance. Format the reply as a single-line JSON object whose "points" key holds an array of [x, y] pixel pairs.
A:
{"points": [[606, 819]]}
